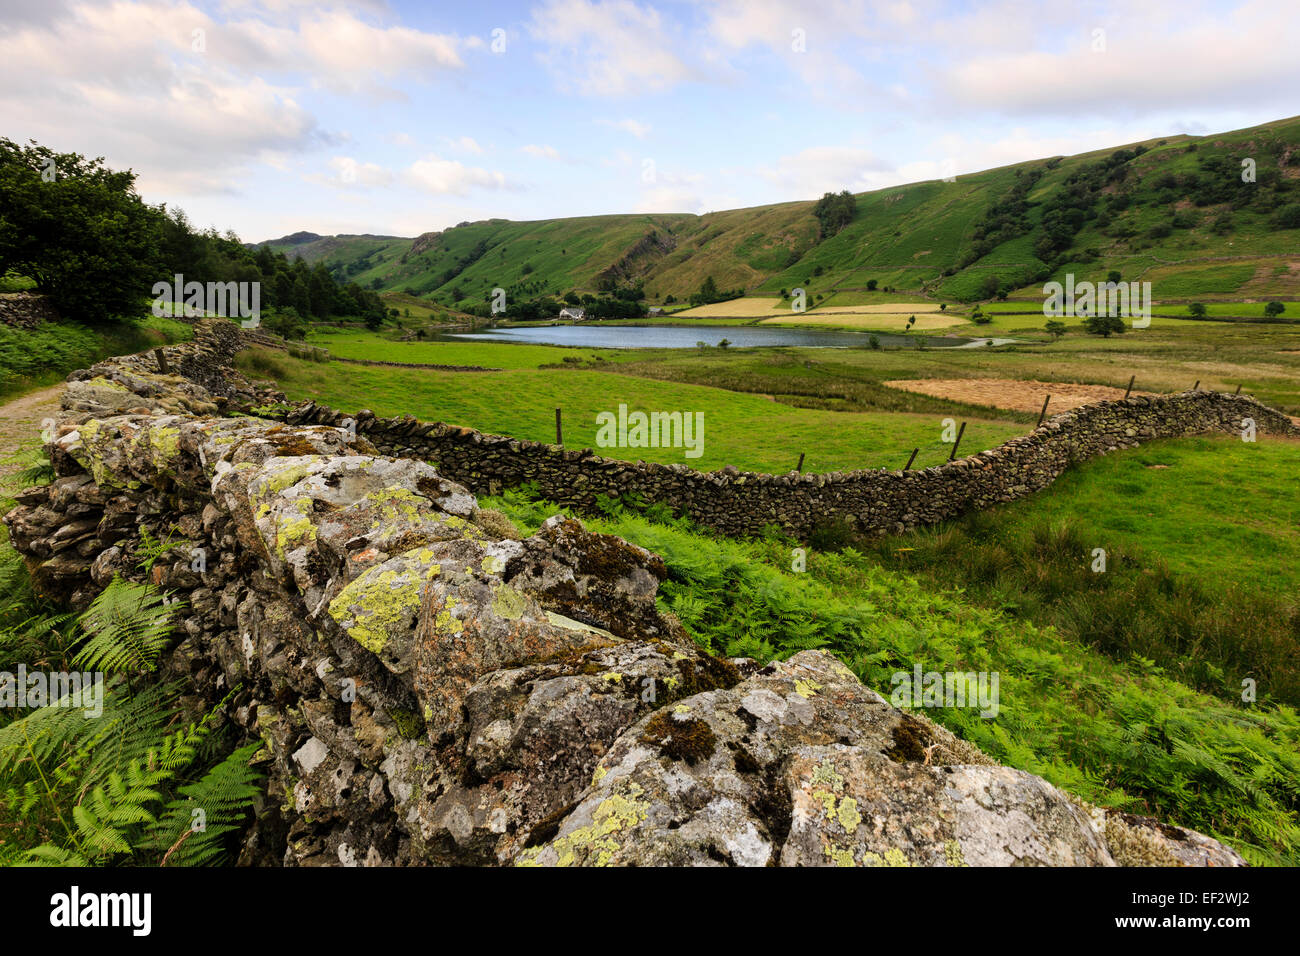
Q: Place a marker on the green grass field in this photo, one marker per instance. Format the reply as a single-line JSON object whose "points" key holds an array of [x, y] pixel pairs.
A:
{"points": [[376, 347], [1219, 508], [748, 431]]}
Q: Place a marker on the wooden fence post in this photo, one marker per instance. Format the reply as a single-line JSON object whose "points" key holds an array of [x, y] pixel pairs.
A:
{"points": [[559, 431], [1044, 411], [912, 459], [162, 361], [961, 431], [1131, 379], [799, 467]]}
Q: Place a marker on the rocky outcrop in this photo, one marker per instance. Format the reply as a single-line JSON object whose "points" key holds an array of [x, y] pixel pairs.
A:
{"points": [[433, 688]]}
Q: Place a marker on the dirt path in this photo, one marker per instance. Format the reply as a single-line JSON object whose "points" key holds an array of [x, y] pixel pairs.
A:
{"points": [[20, 423]]}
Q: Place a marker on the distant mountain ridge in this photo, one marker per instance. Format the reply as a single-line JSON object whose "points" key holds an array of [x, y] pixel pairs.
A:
{"points": [[1176, 211]]}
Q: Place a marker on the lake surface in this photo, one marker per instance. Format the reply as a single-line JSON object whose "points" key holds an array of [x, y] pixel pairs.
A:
{"points": [[686, 337]]}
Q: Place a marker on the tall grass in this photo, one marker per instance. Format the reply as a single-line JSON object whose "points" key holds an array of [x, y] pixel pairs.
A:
{"points": [[1210, 638]]}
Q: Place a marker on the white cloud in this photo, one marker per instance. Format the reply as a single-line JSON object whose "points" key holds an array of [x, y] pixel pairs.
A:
{"points": [[541, 152], [819, 169], [348, 173], [635, 127], [608, 47], [447, 176], [465, 144], [670, 199], [1203, 59], [130, 80]]}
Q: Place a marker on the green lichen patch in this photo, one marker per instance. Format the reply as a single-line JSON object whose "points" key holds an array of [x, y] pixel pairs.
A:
{"points": [[596, 843], [507, 603], [394, 505], [383, 600]]}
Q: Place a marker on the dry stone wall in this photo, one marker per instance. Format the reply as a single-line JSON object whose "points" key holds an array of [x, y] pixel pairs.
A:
{"points": [[872, 502], [24, 310], [433, 688]]}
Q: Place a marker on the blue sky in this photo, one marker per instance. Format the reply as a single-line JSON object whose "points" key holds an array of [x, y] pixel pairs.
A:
{"points": [[402, 118]]}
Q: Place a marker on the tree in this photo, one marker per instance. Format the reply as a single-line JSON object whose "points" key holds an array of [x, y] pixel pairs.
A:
{"points": [[990, 286], [78, 230], [1055, 328], [1113, 275], [871, 285], [1196, 310], [1288, 216], [1274, 309], [1103, 325], [834, 211]]}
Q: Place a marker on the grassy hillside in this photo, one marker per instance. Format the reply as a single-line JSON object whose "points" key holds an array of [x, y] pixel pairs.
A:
{"points": [[1173, 211]]}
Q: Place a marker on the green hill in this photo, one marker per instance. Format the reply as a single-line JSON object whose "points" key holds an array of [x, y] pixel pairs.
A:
{"points": [[1175, 211]]}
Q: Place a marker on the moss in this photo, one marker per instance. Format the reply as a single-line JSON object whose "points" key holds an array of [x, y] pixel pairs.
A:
{"points": [[911, 737], [744, 761], [1131, 845], [688, 740], [292, 446], [610, 558], [409, 724], [495, 524], [545, 829], [702, 673]]}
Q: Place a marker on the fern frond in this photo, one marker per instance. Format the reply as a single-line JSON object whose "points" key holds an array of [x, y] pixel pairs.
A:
{"points": [[127, 627]]}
